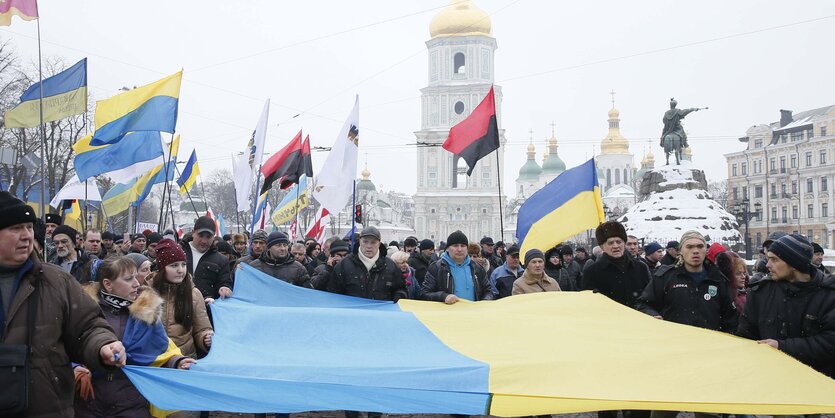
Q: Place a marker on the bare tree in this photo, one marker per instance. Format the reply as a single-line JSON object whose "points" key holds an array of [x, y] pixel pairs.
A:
{"points": [[718, 190]]}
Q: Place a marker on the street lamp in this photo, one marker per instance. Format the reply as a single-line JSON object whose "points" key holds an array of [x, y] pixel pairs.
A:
{"points": [[743, 215]]}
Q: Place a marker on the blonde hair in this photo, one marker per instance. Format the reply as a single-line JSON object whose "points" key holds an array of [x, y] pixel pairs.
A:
{"points": [[400, 256]]}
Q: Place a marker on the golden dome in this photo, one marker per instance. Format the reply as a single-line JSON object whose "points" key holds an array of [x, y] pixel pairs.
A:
{"points": [[365, 173], [614, 143], [460, 18], [614, 113], [545, 153], [650, 157], [531, 150]]}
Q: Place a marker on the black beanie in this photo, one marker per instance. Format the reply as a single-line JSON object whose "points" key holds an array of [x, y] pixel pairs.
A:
{"points": [[456, 237], [794, 249], [426, 244], [277, 237], [410, 242], [66, 230], [610, 229], [13, 211]]}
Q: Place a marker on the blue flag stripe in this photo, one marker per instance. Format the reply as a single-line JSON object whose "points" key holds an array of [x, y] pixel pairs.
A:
{"points": [[72, 78]]}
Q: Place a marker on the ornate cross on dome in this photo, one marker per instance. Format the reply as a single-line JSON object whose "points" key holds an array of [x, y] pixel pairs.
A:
{"points": [[553, 128], [613, 97], [531, 137]]}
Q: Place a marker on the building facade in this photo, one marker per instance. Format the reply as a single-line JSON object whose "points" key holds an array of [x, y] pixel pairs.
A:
{"points": [[785, 175], [461, 70]]}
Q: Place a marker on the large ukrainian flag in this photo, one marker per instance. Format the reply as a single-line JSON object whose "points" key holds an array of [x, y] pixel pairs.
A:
{"points": [[152, 107], [567, 205], [64, 95], [125, 160], [283, 348], [158, 174], [119, 198]]}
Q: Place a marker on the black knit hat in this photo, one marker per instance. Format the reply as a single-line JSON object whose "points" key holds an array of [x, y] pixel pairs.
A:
{"points": [[339, 246], [410, 242], [13, 211], [610, 229], [794, 249], [53, 218], [457, 237], [154, 237], [533, 254], [426, 244], [66, 230], [108, 235], [816, 248], [566, 250], [277, 237]]}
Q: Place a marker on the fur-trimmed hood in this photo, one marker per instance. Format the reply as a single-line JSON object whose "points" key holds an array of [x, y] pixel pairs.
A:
{"points": [[147, 307]]}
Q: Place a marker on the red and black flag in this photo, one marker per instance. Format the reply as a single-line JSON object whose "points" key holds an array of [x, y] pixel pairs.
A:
{"points": [[477, 135], [288, 164]]}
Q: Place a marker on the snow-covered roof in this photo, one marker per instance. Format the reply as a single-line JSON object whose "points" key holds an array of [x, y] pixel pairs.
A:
{"points": [[802, 118]]}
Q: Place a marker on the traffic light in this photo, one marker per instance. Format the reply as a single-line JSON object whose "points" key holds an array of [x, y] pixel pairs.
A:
{"points": [[358, 214]]}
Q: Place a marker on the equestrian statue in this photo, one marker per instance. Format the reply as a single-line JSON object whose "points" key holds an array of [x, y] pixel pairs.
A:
{"points": [[673, 139]]}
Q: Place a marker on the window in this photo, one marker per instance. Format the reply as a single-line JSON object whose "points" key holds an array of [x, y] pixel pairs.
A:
{"points": [[485, 177], [608, 177], [823, 130], [794, 186], [794, 161], [822, 157], [783, 189], [772, 165], [733, 170], [783, 138], [785, 211], [773, 189], [735, 193], [810, 133], [810, 211], [433, 178], [824, 184], [617, 176], [459, 107], [744, 192], [458, 63], [795, 212], [744, 169], [808, 159], [809, 186], [782, 164], [774, 214], [797, 136], [758, 191], [759, 242], [758, 143], [824, 210], [809, 234]]}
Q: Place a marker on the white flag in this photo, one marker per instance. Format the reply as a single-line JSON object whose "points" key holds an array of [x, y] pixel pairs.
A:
{"points": [[335, 183], [245, 167], [74, 189]]}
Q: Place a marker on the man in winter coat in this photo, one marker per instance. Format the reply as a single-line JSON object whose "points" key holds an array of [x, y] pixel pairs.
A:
{"points": [[817, 258], [420, 259], [488, 253], [793, 308], [671, 255], [279, 263], [454, 276], [505, 275], [534, 279], [209, 269], [571, 268], [691, 293], [66, 256], [337, 250], [615, 274], [69, 326], [653, 253], [368, 273]]}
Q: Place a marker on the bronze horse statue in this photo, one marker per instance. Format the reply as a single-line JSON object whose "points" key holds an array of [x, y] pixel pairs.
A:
{"points": [[673, 138]]}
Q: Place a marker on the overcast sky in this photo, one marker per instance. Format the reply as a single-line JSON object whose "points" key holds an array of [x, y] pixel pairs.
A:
{"points": [[556, 61]]}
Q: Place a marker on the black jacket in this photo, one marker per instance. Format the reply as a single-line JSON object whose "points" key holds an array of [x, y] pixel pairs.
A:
{"points": [[383, 282], [418, 262], [289, 270], [439, 283], [674, 296], [211, 273], [624, 287], [800, 316], [80, 268], [668, 260]]}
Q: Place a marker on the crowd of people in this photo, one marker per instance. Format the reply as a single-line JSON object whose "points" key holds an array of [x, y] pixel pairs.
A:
{"points": [[91, 286]]}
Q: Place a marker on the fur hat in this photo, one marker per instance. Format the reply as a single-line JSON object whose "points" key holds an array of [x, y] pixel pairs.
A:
{"points": [[51, 218], [457, 237], [609, 229], [13, 211], [168, 252]]}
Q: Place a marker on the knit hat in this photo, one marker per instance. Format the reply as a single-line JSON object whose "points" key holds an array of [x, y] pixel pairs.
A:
{"points": [[691, 235], [339, 246], [485, 240], [370, 231], [108, 235], [652, 247], [13, 211], [774, 236], [410, 242], [394, 244], [259, 235], [154, 237], [53, 218], [277, 237], [66, 230], [672, 244], [581, 250], [714, 250], [227, 237], [137, 236], [566, 250], [499, 244], [426, 244], [794, 249], [532, 254], [137, 259], [610, 229], [168, 252], [816, 248], [457, 237]]}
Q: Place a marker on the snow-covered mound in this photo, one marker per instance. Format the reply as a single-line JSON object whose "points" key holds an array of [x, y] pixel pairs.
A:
{"points": [[674, 200]]}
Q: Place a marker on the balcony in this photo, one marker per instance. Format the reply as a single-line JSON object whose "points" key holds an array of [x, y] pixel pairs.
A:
{"points": [[774, 220], [774, 195], [772, 171], [784, 220]]}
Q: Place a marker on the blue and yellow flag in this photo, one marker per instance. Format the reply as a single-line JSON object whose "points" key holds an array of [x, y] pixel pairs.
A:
{"points": [[119, 198], [157, 175], [569, 204], [290, 205], [148, 108], [127, 159], [72, 210], [189, 175], [64, 94]]}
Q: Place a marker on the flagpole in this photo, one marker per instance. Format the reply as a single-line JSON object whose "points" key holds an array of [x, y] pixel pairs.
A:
{"points": [[499, 181], [165, 185], [193, 206], [42, 130], [255, 201], [298, 187], [353, 218]]}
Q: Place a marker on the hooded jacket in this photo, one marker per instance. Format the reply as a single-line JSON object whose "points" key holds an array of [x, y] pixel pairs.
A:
{"points": [[289, 270], [439, 283], [383, 282], [69, 327], [800, 316]]}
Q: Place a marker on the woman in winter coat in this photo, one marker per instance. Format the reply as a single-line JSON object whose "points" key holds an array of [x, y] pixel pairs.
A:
{"points": [[401, 259], [185, 318], [734, 268], [126, 307], [534, 279]]}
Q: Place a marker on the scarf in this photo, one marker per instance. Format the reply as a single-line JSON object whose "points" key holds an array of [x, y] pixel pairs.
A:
{"points": [[622, 262], [368, 262], [117, 303]]}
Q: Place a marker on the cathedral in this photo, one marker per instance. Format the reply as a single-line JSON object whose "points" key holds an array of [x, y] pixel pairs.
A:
{"points": [[461, 69]]}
